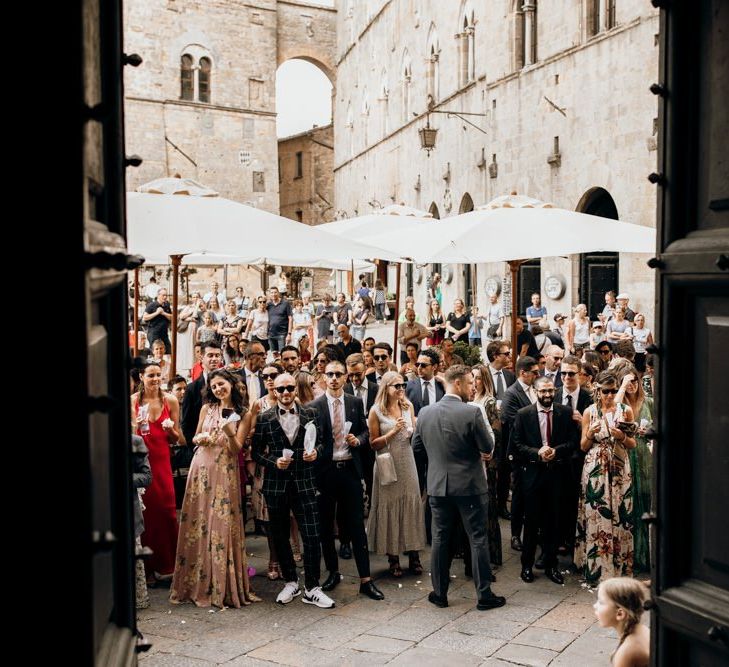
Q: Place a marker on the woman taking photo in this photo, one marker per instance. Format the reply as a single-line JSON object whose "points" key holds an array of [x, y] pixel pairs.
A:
{"points": [[395, 524], [435, 325], [157, 419], [211, 566], [604, 544]]}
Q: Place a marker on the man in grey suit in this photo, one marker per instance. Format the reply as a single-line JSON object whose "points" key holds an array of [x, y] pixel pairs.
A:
{"points": [[453, 437]]}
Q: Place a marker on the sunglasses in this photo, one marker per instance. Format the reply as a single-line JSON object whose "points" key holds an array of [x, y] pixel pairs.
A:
{"points": [[334, 374], [269, 376], [398, 385], [506, 354], [568, 373], [605, 351], [288, 388], [321, 360], [420, 364], [256, 354], [609, 391], [380, 357], [261, 301]]}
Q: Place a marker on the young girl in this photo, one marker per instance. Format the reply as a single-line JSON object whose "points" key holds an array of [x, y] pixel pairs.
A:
{"points": [[301, 322], [620, 605], [597, 335]]}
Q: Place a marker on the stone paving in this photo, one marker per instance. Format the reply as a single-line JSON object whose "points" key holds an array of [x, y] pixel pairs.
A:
{"points": [[541, 624]]}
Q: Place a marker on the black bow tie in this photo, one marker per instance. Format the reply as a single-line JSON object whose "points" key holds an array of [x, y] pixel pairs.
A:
{"points": [[284, 411]]}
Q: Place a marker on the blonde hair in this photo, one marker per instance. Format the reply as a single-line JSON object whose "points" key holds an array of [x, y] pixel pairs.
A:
{"points": [[381, 398], [629, 594]]}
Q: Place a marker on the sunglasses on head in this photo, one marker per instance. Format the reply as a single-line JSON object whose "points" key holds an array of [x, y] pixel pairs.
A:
{"points": [[334, 374], [568, 373], [269, 376], [380, 357], [286, 388], [398, 385], [609, 391], [420, 364]]}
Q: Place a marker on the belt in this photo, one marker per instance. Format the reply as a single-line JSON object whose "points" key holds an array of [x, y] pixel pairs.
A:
{"points": [[342, 464]]}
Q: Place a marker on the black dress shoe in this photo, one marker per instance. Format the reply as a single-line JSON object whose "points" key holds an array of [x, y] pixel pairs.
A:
{"points": [[516, 543], [555, 575], [371, 591], [345, 551], [491, 602], [504, 513], [539, 563], [437, 600], [332, 581], [527, 575]]}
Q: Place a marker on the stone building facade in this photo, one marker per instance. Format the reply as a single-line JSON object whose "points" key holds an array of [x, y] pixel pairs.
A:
{"points": [[568, 119], [203, 105]]}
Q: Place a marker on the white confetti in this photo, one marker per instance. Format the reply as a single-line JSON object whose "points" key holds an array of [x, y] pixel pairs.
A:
{"points": [[183, 622], [399, 585], [418, 582], [212, 611]]}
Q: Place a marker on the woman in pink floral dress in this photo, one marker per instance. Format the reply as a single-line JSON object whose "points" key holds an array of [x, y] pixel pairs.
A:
{"points": [[604, 545], [211, 566]]}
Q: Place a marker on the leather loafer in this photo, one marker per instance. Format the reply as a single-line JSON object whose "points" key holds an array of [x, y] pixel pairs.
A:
{"points": [[516, 543], [437, 600], [527, 575], [555, 575], [491, 602], [505, 514], [332, 581], [539, 563], [371, 591], [345, 551]]}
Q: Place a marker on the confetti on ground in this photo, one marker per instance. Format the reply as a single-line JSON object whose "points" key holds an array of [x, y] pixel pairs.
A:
{"points": [[399, 585]]}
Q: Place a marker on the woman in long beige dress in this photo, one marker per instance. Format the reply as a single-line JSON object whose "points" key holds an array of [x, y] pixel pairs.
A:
{"points": [[211, 565], [395, 523]]}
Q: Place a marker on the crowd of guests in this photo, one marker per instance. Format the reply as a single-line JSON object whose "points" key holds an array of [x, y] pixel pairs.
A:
{"points": [[334, 440]]}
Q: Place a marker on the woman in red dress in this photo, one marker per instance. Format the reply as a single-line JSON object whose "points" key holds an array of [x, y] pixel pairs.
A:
{"points": [[156, 416]]}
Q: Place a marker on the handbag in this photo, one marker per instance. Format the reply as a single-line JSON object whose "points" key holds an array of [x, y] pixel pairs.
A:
{"points": [[385, 467], [387, 311], [182, 325], [491, 331], [180, 459]]}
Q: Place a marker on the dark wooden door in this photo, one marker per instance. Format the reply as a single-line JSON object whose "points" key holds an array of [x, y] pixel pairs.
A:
{"points": [[691, 578], [598, 274], [530, 278]]}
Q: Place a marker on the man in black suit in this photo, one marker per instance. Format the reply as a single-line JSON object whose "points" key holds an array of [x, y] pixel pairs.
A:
{"points": [[498, 353], [452, 435], [255, 356], [382, 354], [545, 438], [571, 395], [289, 485], [339, 477], [212, 358], [426, 390], [552, 361], [519, 395]]}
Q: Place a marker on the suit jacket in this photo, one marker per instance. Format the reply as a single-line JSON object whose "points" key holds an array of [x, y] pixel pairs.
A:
{"points": [[353, 412], [269, 441], [584, 399], [262, 391], [414, 390], [191, 406], [557, 379], [527, 439], [371, 393], [514, 400], [452, 435]]}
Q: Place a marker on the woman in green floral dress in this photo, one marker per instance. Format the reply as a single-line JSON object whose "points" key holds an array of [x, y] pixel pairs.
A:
{"points": [[604, 544]]}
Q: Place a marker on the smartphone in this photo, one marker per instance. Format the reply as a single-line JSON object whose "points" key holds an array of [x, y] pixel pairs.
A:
{"points": [[226, 412]]}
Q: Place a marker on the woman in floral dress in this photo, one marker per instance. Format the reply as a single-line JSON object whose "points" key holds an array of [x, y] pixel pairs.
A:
{"points": [[211, 566], [604, 544]]}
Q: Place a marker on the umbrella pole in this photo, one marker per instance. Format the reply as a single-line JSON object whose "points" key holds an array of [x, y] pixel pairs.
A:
{"points": [[514, 266], [135, 344], [397, 312], [176, 259], [351, 282]]}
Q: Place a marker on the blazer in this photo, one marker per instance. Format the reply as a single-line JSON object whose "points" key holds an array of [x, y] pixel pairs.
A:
{"points": [[371, 393], [527, 439], [190, 410], [584, 399], [514, 400], [269, 441], [262, 391], [451, 436], [353, 412], [414, 390]]}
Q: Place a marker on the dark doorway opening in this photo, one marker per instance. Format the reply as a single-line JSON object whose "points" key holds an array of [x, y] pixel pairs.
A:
{"points": [[529, 282]]}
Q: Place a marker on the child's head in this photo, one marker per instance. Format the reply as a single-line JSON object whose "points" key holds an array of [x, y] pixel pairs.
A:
{"points": [[620, 604]]}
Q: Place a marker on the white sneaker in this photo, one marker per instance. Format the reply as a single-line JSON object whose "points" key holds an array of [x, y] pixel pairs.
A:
{"points": [[318, 597], [289, 592]]}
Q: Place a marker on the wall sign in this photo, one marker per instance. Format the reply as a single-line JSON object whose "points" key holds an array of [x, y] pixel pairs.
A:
{"points": [[448, 274], [555, 286], [492, 286]]}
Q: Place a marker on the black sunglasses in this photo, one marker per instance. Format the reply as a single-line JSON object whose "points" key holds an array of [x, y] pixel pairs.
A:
{"points": [[269, 376], [605, 350], [380, 357], [399, 385], [420, 364], [287, 388], [568, 373], [334, 374], [609, 391]]}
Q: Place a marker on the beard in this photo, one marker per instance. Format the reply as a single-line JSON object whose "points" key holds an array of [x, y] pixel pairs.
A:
{"points": [[546, 402]]}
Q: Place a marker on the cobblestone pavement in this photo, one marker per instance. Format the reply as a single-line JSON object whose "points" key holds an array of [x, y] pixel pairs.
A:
{"points": [[541, 624]]}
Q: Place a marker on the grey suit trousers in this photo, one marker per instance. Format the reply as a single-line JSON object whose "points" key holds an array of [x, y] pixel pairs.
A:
{"points": [[473, 514]]}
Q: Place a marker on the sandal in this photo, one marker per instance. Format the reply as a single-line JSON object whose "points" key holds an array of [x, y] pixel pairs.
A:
{"points": [[395, 569], [274, 571], [414, 566]]}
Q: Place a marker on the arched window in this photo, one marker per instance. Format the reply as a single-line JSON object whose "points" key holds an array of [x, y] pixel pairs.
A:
{"points": [[467, 45], [466, 204], [599, 16], [384, 100], [431, 71], [407, 80], [433, 210], [204, 80], [187, 81], [525, 32]]}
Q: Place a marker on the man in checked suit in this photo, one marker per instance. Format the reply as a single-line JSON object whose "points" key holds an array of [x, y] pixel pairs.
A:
{"points": [[545, 437], [289, 484], [453, 437], [339, 477]]}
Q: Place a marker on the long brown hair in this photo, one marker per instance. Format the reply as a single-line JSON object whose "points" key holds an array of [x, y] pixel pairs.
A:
{"points": [[381, 398], [486, 380], [629, 594]]}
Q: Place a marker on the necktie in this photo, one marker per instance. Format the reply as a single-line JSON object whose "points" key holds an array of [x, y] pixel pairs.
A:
{"points": [[426, 394], [500, 388], [568, 401], [338, 423], [548, 414]]}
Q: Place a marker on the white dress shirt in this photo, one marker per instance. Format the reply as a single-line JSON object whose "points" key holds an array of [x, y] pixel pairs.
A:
{"points": [[528, 390], [340, 451], [289, 422], [361, 393]]}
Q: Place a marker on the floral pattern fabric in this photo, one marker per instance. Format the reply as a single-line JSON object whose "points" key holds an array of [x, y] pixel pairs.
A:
{"points": [[211, 566], [604, 544]]}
